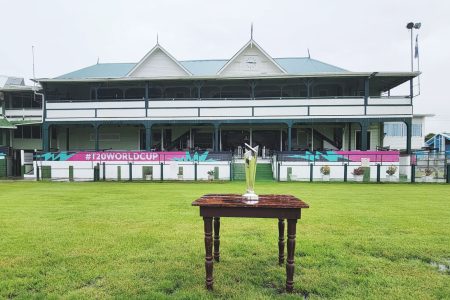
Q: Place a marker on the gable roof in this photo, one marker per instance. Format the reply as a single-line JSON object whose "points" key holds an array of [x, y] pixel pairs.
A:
{"points": [[255, 57], [209, 67], [158, 62]]}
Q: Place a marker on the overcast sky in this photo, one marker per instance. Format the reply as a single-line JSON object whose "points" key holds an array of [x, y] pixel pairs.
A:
{"points": [[355, 35]]}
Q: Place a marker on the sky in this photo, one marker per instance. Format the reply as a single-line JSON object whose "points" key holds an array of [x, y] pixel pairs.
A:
{"points": [[353, 34]]}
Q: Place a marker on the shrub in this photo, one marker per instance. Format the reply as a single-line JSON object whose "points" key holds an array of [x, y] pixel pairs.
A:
{"points": [[325, 170], [391, 170], [358, 171], [428, 172]]}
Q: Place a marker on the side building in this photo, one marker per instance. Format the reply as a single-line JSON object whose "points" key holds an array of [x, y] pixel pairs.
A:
{"points": [[20, 125]]}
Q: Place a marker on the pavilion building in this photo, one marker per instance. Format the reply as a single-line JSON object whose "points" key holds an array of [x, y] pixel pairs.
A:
{"points": [[282, 104], [162, 104]]}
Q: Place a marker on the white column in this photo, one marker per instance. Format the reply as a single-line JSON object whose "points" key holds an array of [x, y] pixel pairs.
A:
{"points": [[281, 139]]}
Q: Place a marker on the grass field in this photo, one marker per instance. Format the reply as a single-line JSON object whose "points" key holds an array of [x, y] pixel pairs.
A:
{"points": [[144, 240]]}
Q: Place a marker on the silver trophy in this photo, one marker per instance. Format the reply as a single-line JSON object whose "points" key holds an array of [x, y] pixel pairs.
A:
{"points": [[250, 156]]}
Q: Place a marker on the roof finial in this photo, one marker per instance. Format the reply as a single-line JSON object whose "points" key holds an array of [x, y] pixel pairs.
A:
{"points": [[309, 55], [157, 39], [251, 31], [98, 60]]}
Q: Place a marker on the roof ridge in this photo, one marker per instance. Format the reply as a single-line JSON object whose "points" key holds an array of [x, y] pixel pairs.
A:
{"points": [[290, 57], [209, 59]]}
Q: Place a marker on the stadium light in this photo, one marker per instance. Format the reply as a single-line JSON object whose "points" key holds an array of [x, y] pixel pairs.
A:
{"points": [[411, 26]]}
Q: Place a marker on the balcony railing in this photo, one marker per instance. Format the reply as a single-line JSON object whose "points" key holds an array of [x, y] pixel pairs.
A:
{"points": [[23, 113], [182, 108]]}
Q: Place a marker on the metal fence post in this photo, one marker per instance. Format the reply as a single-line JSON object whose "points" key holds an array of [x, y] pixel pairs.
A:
{"points": [[96, 171], [311, 169], [278, 171], [448, 174], [70, 173], [413, 173], [37, 172], [195, 171], [378, 172], [162, 172], [104, 172], [130, 166], [345, 172]]}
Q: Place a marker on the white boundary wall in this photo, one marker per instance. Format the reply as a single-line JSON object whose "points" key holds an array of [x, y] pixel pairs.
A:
{"points": [[301, 171], [84, 171]]}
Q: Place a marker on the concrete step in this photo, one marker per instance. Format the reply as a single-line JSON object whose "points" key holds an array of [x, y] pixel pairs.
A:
{"points": [[263, 172]]}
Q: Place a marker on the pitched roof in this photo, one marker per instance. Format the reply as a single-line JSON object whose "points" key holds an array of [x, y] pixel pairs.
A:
{"points": [[251, 59], [5, 124], [158, 62], [107, 70], [209, 67]]}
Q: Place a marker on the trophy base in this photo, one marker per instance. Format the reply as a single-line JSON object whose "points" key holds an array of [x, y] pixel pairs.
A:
{"points": [[250, 198]]}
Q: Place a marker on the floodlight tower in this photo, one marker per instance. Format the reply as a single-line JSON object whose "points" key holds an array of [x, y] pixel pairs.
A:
{"points": [[411, 26]]}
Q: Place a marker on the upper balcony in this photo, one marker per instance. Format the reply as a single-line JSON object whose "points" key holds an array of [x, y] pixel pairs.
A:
{"points": [[23, 113], [228, 108]]}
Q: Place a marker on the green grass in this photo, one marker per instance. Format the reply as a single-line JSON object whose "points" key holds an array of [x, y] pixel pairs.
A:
{"points": [[144, 240]]}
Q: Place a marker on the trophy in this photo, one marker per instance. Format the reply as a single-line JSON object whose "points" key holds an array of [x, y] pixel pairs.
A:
{"points": [[250, 156]]}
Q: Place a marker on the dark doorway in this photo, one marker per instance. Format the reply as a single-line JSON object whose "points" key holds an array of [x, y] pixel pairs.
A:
{"points": [[231, 139], [358, 140], [267, 138]]}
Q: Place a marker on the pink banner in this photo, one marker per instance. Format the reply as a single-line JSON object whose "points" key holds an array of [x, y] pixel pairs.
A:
{"points": [[373, 156], [126, 156]]}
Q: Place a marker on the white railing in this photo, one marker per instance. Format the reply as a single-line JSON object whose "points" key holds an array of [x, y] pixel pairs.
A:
{"points": [[23, 113], [223, 108]]}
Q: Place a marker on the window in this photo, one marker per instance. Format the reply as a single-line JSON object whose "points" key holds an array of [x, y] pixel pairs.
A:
{"points": [[416, 129], [395, 129], [28, 132], [36, 132], [21, 101], [399, 129]]}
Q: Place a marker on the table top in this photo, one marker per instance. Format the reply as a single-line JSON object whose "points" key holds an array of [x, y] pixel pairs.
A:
{"points": [[236, 200]]}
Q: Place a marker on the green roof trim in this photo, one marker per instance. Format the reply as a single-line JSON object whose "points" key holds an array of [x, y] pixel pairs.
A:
{"points": [[5, 124], [210, 67], [25, 122]]}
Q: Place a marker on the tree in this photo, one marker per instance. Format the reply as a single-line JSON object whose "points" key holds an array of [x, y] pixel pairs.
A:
{"points": [[429, 136]]}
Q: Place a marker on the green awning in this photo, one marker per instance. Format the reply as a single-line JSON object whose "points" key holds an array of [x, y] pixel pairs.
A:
{"points": [[25, 122], [5, 124]]}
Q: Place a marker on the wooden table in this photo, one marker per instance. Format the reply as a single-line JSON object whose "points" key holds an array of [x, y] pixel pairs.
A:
{"points": [[215, 206]]}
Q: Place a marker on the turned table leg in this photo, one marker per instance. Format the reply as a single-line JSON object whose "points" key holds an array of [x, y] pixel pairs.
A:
{"points": [[281, 241], [216, 238], [291, 231], [208, 249]]}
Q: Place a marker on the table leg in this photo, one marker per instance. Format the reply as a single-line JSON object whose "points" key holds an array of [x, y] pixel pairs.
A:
{"points": [[216, 238], [281, 241], [291, 231], [208, 249]]}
